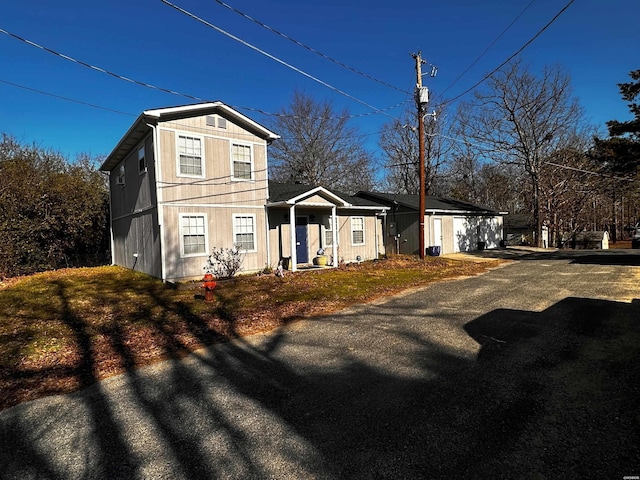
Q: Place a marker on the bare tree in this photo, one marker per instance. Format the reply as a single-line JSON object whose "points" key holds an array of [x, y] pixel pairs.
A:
{"points": [[567, 188], [319, 147], [399, 142], [521, 119]]}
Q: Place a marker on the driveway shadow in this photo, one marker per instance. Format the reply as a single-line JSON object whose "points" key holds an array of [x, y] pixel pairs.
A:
{"points": [[245, 409]]}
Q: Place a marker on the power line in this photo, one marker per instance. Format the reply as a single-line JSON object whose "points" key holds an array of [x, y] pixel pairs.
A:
{"points": [[531, 40], [274, 58], [359, 115], [99, 69], [590, 172], [60, 97], [148, 85], [312, 50], [486, 49]]}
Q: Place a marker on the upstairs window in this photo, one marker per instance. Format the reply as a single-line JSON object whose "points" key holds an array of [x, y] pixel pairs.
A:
{"points": [[190, 156], [142, 160], [121, 175], [241, 159]]}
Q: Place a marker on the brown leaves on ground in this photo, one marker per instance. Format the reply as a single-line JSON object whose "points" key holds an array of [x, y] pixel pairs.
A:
{"points": [[65, 330]]}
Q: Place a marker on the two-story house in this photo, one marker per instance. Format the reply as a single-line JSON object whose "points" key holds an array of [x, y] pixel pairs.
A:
{"points": [[189, 178]]}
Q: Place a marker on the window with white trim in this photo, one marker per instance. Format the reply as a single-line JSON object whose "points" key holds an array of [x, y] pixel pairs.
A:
{"points": [[190, 156], [241, 160], [328, 231], [244, 232], [142, 160], [357, 230], [193, 234]]}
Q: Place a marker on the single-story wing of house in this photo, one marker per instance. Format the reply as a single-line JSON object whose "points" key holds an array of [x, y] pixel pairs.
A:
{"points": [[450, 225], [306, 219]]}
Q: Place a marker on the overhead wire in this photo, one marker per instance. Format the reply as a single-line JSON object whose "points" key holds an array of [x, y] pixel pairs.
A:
{"points": [[148, 85], [99, 69], [312, 50], [529, 42], [486, 49], [60, 97], [273, 57]]}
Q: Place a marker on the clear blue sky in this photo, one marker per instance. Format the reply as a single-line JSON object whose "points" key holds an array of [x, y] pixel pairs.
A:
{"points": [[596, 41]]}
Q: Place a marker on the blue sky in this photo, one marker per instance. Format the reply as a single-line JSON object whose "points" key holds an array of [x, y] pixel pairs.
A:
{"points": [[597, 42]]}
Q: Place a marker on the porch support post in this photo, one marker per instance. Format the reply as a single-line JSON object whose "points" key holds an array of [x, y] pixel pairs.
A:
{"points": [[292, 228], [334, 236], [266, 224]]}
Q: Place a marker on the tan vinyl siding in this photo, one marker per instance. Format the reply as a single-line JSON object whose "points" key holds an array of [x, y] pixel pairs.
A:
{"points": [[218, 186], [316, 200], [137, 193], [137, 243], [219, 234]]}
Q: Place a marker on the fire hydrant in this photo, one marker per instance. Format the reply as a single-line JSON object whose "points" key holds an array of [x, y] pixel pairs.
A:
{"points": [[208, 283]]}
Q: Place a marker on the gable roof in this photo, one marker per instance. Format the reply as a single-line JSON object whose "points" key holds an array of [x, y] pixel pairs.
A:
{"points": [[141, 126], [290, 193], [432, 204]]}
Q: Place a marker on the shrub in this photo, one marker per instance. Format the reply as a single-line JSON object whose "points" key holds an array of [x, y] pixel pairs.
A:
{"points": [[224, 262]]}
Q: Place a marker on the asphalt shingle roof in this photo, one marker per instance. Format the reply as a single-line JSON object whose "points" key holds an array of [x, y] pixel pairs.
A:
{"points": [[431, 203], [280, 192]]}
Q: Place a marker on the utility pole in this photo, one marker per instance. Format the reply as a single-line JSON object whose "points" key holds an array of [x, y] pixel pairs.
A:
{"points": [[422, 97]]}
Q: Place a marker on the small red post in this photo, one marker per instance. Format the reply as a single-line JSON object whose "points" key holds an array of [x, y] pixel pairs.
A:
{"points": [[208, 284]]}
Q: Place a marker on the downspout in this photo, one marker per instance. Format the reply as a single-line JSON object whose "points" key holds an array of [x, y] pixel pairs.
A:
{"points": [[159, 200]]}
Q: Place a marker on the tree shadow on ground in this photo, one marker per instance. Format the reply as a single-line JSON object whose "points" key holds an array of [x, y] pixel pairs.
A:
{"points": [[541, 400]]}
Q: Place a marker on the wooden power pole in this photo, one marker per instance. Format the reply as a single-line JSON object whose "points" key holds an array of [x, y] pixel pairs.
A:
{"points": [[422, 97]]}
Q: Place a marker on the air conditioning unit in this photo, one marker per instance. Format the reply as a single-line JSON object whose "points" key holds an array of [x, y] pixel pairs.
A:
{"points": [[120, 180]]}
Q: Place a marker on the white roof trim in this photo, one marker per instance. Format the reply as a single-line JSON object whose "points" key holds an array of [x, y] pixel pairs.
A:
{"points": [[313, 191], [159, 112]]}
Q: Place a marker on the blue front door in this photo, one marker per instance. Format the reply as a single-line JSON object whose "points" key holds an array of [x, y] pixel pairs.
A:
{"points": [[302, 241]]}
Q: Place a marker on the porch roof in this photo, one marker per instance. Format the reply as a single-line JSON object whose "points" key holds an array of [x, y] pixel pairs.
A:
{"points": [[286, 194]]}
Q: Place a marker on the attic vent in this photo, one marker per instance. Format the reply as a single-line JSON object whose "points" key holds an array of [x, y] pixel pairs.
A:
{"points": [[222, 122], [120, 180], [211, 121]]}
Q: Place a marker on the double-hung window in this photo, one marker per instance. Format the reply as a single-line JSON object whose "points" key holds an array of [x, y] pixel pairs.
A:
{"points": [[244, 232], [241, 160], [190, 156], [193, 234], [357, 230], [328, 231]]}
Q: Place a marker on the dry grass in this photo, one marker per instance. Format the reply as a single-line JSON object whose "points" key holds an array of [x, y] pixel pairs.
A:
{"points": [[64, 330]]}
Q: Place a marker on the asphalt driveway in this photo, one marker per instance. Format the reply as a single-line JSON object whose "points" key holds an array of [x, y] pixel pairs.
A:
{"points": [[432, 383]]}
